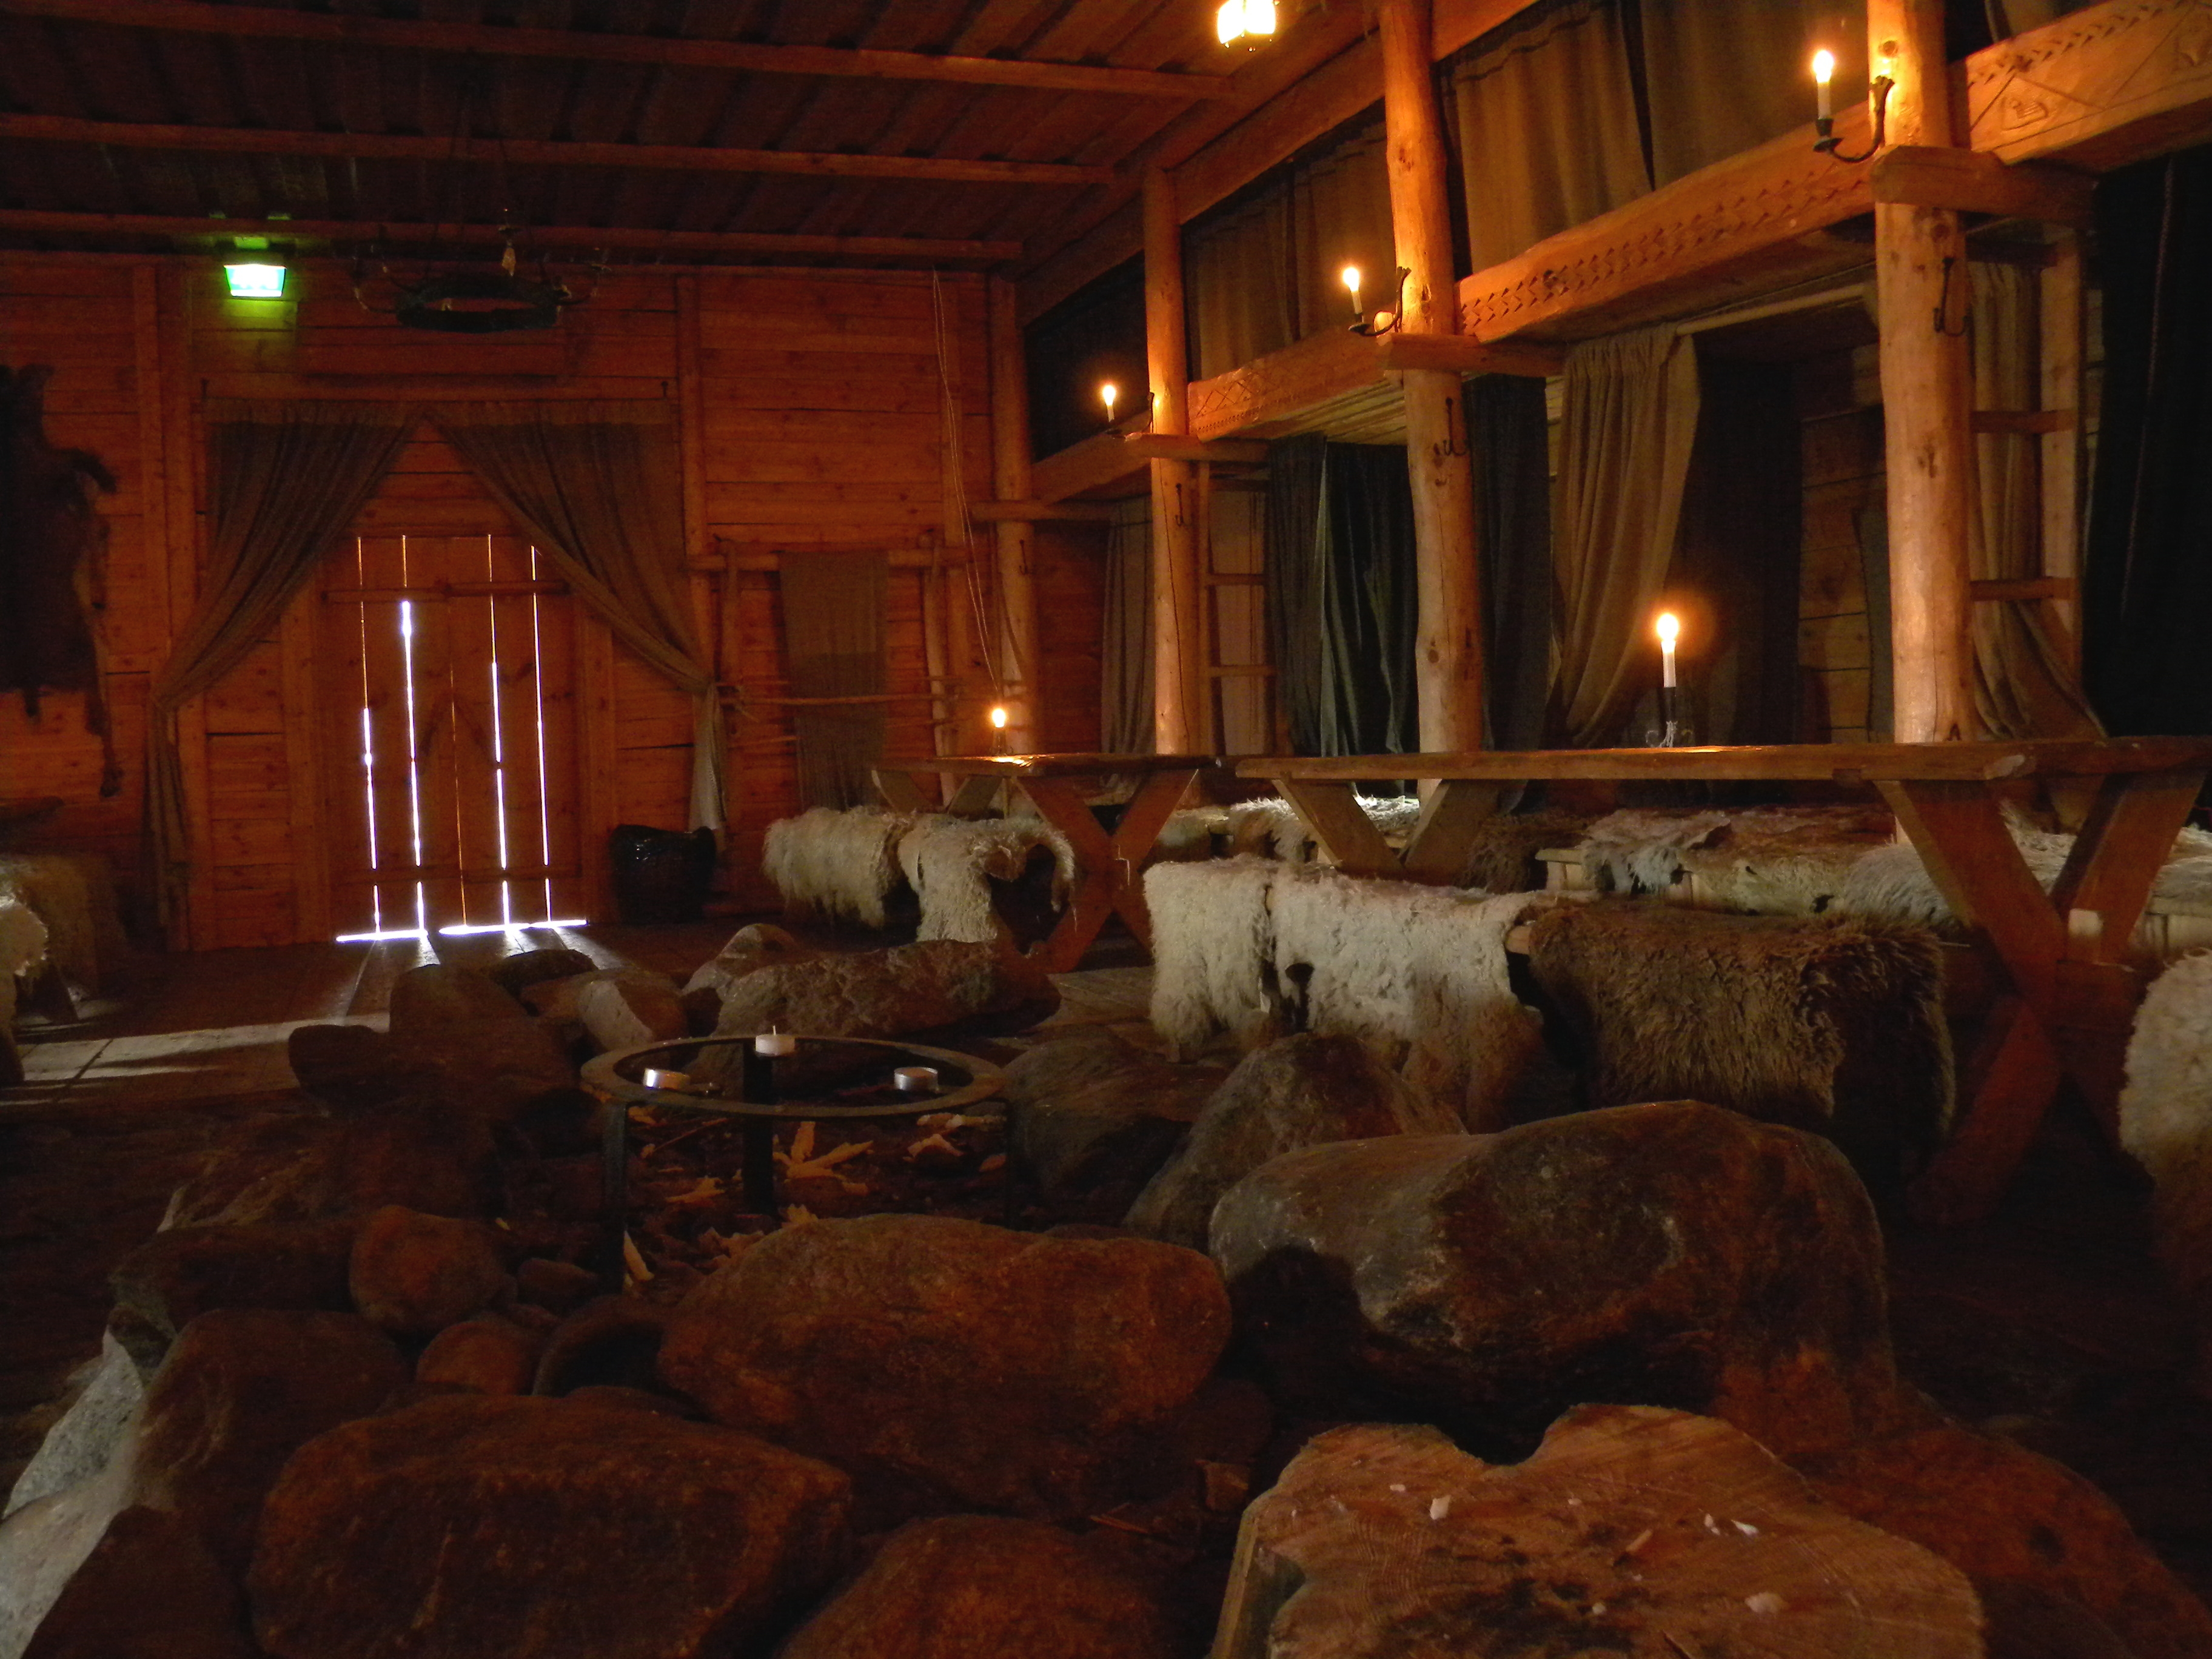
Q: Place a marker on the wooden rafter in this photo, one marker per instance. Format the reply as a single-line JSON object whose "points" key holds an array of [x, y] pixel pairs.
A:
{"points": [[633, 238], [273, 22], [537, 152]]}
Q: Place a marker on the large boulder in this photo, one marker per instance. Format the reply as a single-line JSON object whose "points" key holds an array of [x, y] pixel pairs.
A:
{"points": [[497, 1069], [989, 1587], [1304, 1091], [2008, 1517], [752, 948], [406, 1151], [948, 1364], [484, 1355], [439, 993], [895, 992], [1090, 1118], [150, 1589], [1669, 1255], [242, 1389], [475, 1527], [176, 1276], [627, 1007], [415, 1274], [1631, 1531]]}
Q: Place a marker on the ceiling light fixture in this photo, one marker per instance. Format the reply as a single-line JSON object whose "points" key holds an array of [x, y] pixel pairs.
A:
{"points": [[255, 280], [1251, 21]]}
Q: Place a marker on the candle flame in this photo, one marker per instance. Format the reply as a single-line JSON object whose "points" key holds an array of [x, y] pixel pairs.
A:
{"points": [[1669, 629], [999, 717], [1351, 278], [1824, 66], [1107, 395]]}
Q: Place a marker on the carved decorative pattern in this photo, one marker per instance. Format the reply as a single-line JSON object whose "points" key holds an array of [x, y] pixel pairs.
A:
{"points": [[2067, 82]]}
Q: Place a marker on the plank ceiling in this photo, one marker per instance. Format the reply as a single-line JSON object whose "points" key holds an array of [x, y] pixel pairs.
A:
{"points": [[408, 114]]}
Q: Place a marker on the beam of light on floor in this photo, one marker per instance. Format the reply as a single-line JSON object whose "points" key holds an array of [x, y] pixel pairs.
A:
{"points": [[460, 927], [380, 938]]}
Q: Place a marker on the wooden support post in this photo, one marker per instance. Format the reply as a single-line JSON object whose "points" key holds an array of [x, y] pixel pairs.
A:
{"points": [[1448, 650], [1927, 391], [1179, 723], [1018, 664]]}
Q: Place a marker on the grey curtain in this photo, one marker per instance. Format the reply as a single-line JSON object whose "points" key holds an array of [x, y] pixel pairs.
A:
{"points": [[284, 482], [1506, 419], [596, 485], [1726, 78], [1342, 602], [1547, 129], [1125, 692], [2025, 685], [833, 642], [1626, 435]]}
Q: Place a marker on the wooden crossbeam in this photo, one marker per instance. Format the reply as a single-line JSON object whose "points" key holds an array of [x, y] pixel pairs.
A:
{"points": [[921, 248], [539, 152], [1943, 176], [494, 40]]}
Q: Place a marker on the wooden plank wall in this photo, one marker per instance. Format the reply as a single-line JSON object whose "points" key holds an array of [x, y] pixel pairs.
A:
{"points": [[812, 404], [1839, 397]]}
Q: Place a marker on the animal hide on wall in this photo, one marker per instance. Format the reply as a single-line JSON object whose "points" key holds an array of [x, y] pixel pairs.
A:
{"points": [[53, 543]]}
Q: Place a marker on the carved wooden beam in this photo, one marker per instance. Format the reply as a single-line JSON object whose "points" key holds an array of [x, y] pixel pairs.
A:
{"points": [[1940, 176], [2111, 84], [497, 40]]}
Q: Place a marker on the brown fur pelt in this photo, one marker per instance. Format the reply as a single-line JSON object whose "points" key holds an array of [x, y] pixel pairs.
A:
{"points": [[1832, 1024], [52, 540], [1503, 857], [1776, 861]]}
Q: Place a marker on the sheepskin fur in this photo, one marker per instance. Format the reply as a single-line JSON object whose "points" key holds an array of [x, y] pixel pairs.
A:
{"points": [[74, 894], [2166, 1121], [951, 864], [1271, 826], [1213, 951], [1830, 1024], [1773, 860], [22, 950], [1502, 857], [1417, 972], [1892, 884], [842, 864]]}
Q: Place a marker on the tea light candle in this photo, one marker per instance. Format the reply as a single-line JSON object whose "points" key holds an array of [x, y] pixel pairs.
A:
{"points": [[772, 1041], [915, 1080], [656, 1078]]}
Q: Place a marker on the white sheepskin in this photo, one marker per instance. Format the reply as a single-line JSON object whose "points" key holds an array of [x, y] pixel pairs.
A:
{"points": [[838, 864], [1213, 950], [74, 894], [2166, 1121], [1892, 884], [950, 863], [1419, 973], [1416, 971], [1274, 826], [22, 950]]}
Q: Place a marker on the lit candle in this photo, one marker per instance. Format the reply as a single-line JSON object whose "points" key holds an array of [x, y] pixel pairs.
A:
{"points": [[915, 1080], [1107, 394], [1823, 71], [773, 1041], [1669, 629], [1352, 281], [999, 717]]}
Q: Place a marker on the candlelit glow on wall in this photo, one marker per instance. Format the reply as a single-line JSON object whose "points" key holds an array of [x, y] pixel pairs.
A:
{"points": [[1251, 21]]}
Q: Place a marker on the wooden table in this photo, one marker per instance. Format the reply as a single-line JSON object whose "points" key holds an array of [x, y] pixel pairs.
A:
{"points": [[1108, 868], [2067, 998]]}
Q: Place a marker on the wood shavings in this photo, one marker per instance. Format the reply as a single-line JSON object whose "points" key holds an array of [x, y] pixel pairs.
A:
{"points": [[634, 1263], [801, 1163], [793, 1214], [995, 1162], [706, 1190], [933, 1144]]}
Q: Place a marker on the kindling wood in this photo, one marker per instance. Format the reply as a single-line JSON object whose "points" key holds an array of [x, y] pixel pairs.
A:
{"points": [[2067, 998]]}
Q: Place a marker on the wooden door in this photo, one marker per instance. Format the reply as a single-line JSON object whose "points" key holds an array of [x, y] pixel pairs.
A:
{"points": [[446, 672]]}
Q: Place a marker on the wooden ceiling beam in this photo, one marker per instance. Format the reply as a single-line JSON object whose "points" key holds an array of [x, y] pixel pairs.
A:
{"points": [[1318, 77], [537, 152], [495, 40], [40, 221]]}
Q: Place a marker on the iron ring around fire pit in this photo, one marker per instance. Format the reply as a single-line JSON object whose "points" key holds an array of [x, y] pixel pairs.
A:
{"points": [[824, 1077]]}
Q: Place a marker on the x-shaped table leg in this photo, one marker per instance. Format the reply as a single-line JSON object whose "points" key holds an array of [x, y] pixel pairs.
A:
{"points": [[1107, 878], [2058, 955], [1437, 854]]}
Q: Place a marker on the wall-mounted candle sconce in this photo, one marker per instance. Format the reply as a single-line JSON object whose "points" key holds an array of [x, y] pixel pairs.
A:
{"points": [[1380, 322], [1110, 394], [1823, 72]]}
